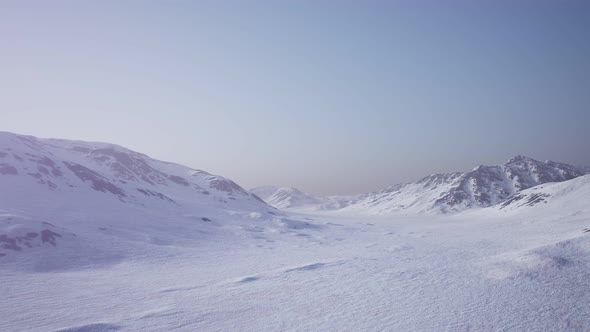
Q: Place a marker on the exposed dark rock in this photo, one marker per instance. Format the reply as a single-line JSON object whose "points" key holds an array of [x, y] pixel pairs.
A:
{"points": [[81, 149], [51, 185], [225, 185], [155, 194], [46, 164], [98, 182], [49, 236], [130, 165], [101, 159], [257, 198], [178, 180], [9, 243], [7, 169], [524, 200]]}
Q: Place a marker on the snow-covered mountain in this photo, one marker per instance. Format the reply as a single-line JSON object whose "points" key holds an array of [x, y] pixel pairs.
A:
{"points": [[69, 193], [34, 168], [286, 197], [484, 186]]}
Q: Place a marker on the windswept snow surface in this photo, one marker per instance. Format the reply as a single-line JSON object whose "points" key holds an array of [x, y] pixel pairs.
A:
{"points": [[101, 261], [482, 272]]}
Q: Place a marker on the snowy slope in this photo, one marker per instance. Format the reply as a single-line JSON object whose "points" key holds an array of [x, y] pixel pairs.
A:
{"points": [[417, 197], [571, 196]]}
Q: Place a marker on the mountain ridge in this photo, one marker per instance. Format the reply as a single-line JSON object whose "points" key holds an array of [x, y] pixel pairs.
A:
{"points": [[483, 186]]}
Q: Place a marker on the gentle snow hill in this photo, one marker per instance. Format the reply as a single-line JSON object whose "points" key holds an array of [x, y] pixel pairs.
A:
{"points": [[101, 193]]}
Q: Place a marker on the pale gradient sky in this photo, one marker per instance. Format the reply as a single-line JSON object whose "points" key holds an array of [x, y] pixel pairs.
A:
{"points": [[333, 97]]}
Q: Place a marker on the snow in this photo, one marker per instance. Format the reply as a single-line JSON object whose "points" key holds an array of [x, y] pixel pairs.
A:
{"points": [[205, 262], [484, 186], [376, 273], [286, 197]]}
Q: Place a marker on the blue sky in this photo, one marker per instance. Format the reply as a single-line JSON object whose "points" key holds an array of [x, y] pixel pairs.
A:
{"points": [[333, 97]]}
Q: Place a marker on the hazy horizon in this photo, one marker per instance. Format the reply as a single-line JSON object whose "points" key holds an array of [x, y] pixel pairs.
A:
{"points": [[328, 97]]}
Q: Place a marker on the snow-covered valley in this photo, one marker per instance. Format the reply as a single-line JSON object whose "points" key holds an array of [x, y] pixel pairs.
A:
{"points": [[95, 237], [478, 272]]}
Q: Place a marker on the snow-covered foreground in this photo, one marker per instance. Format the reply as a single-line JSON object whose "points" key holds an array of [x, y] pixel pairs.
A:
{"points": [[485, 270]]}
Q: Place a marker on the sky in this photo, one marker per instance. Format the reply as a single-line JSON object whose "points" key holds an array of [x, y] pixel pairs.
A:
{"points": [[332, 97]]}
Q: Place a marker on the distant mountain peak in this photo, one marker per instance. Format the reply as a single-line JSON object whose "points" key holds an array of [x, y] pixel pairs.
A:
{"points": [[286, 197], [520, 160], [519, 157]]}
